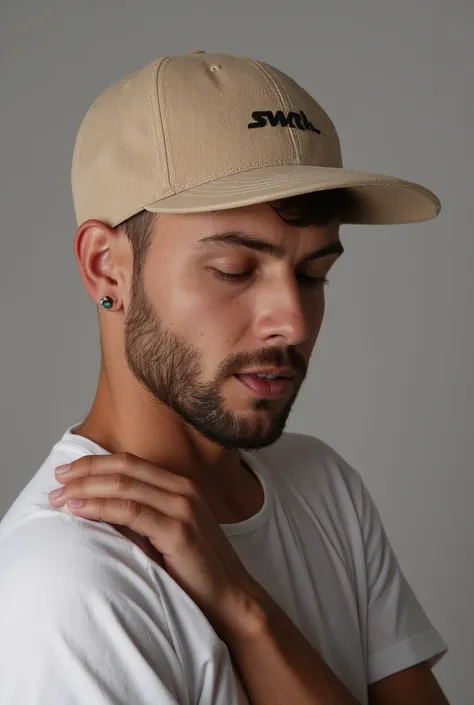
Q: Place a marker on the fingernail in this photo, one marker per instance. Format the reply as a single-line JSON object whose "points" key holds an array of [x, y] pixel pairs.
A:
{"points": [[54, 494], [63, 469], [75, 503]]}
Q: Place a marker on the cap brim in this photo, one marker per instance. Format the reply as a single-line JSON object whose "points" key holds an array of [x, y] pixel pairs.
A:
{"points": [[379, 199]]}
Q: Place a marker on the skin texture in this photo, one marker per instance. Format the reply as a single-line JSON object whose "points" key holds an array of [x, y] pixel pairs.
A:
{"points": [[177, 335]]}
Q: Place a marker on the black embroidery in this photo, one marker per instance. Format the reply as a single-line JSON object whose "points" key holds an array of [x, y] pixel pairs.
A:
{"points": [[264, 118]]}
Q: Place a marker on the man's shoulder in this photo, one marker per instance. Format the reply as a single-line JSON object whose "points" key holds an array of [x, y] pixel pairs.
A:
{"points": [[81, 603], [51, 546], [67, 572], [67, 578], [56, 555]]}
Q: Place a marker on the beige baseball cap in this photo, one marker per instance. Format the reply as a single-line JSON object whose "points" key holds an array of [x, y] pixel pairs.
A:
{"points": [[205, 132]]}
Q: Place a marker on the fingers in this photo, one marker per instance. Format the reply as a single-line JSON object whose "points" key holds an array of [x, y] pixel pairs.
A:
{"points": [[128, 489], [127, 465], [164, 532]]}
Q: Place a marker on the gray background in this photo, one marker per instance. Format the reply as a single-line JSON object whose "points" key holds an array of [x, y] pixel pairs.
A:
{"points": [[391, 386]]}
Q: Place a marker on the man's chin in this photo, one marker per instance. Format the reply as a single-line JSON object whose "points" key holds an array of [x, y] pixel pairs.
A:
{"points": [[260, 436]]}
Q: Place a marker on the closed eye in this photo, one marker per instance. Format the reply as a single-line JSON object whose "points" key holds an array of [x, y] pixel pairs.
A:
{"points": [[305, 279]]}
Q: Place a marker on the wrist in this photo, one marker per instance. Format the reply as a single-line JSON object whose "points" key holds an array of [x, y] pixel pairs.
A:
{"points": [[249, 616]]}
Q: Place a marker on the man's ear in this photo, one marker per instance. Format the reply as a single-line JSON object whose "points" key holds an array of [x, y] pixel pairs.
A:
{"points": [[105, 261]]}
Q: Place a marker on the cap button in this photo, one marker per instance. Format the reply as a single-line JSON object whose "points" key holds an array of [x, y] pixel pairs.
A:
{"points": [[199, 51]]}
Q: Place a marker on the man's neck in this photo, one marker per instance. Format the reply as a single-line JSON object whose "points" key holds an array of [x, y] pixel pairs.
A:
{"points": [[143, 428]]}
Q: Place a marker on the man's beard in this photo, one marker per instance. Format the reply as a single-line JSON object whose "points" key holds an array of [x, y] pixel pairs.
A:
{"points": [[171, 369]]}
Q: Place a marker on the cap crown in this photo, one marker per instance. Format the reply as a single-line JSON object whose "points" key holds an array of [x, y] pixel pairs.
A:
{"points": [[187, 120]]}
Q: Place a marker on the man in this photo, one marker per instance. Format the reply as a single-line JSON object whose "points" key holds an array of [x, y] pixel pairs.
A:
{"points": [[192, 552]]}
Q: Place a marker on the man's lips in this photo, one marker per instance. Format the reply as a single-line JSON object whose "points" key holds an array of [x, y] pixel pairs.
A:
{"points": [[267, 388]]}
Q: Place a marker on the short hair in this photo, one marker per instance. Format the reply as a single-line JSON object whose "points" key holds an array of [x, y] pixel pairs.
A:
{"points": [[316, 208]]}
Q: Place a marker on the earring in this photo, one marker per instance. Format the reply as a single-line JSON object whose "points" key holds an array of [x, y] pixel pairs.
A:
{"points": [[106, 302]]}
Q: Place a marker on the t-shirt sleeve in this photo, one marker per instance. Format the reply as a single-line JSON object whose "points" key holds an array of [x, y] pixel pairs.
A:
{"points": [[74, 628], [399, 633]]}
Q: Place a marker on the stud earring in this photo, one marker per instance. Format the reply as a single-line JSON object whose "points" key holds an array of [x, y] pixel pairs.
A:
{"points": [[106, 302]]}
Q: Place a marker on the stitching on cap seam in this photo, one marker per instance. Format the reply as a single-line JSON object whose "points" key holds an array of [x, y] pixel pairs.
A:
{"points": [[284, 162], [285, 99], [421, 192], [247, 167], [375, 184], [170, 161], [393, 184], [157, 112]]}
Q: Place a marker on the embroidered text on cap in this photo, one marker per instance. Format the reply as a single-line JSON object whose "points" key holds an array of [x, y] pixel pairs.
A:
{"points": [[299, 120]]}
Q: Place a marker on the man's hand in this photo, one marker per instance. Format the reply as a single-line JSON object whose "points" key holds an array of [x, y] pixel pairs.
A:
{"points": [[167, 509]]}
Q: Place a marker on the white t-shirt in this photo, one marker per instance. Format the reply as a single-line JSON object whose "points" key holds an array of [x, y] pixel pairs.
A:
{"points": [[86, 617]]}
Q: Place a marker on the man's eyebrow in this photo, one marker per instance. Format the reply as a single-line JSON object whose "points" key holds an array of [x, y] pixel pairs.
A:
{"points": [[240, 239]]}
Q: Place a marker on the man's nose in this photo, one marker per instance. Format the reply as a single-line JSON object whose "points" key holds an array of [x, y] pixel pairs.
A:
{"points": [[283, 319]]}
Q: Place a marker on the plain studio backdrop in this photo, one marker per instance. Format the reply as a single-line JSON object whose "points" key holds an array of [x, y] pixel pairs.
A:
{"points": [[391, 382]]}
